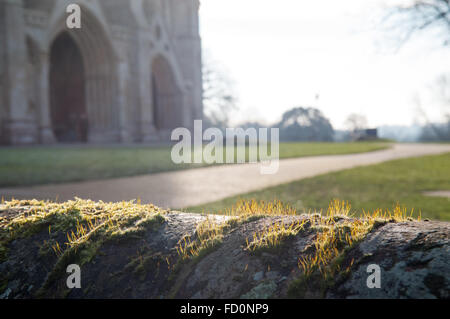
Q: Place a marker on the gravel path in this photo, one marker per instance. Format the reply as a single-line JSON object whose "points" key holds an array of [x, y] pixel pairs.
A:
{"points": [[445, 194], [199, 186]]}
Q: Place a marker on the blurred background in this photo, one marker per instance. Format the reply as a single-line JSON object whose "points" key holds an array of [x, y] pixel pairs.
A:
{"points": [[372, 64], [360, 91]]}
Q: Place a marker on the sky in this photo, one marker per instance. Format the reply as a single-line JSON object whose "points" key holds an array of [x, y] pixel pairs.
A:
{"points": [[327, 54]]}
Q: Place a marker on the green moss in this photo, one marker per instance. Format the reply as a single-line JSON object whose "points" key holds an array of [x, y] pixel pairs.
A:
{"points": [[298, 287], [40, 216], [4, 250], [136, 228], [208, 237], [209, 246], [316, 285], [317, 282], [88, 252], [37, 220], [146, 262], [77, 229], [236, 222], [307, 286], [274, 238], [46, 249], [284, 239]]}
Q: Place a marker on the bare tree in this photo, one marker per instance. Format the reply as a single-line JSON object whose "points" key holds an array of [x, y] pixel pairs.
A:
{"points": [[416, 15], [442, 88], [426, 15], [219, 96], [441, 130], [356, 122]]}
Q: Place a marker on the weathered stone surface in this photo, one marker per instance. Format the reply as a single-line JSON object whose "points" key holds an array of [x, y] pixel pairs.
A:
{"points": [[414, 259], [413, 256]]}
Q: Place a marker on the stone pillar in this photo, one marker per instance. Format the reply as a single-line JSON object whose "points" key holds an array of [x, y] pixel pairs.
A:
{"points": [[197, 76], [16, 128], [122, 93], [188, 49], [147, 124], [188, 113], [46, 135], [121, 38]]}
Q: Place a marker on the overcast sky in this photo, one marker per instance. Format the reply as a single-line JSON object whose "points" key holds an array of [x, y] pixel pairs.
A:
{"points": [[284, 53]]}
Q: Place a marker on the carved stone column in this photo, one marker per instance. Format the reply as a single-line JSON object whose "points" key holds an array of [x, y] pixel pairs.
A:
{"points": [[46, 135], [147, 121], [16, 128]]}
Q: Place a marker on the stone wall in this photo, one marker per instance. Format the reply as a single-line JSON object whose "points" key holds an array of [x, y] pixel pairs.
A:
{"points": [[119, 42], [413, 259]]}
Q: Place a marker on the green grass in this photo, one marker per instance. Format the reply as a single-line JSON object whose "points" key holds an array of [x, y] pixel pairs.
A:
{"points": [[291, 150], [43, 165], [366, 188]]}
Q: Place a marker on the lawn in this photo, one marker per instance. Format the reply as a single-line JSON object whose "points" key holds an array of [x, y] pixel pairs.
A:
{"points": [[42, 165], [371, 187]]}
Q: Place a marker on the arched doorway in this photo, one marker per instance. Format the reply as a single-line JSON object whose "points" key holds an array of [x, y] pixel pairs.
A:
{"points": [[167, 97], [67, 91]]}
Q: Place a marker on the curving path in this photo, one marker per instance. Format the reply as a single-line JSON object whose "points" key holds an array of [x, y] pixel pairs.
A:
{"points": [[199, 186]]}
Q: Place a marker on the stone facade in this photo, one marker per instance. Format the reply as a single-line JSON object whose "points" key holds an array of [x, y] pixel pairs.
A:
{"points": [[132, 72]]}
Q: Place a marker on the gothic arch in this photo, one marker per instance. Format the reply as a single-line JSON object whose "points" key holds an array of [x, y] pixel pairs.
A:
{"points": [[167, 96], [68, 111], [100, 74]]}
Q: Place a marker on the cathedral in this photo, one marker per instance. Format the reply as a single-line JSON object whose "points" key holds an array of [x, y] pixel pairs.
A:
{"points": [[131, 73]]}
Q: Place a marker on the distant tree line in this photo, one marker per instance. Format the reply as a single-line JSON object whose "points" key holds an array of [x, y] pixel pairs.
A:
{"points": [[305, 124], [301, 124]]}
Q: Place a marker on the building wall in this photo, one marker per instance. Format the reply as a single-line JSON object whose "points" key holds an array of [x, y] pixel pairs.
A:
{"points": [[123, 43], [3, 109]]}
